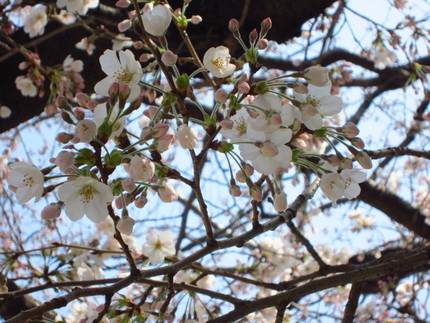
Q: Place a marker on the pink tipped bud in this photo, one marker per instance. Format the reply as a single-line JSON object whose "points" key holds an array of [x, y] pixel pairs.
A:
{"points": [[160, 129], [124, 90], [266, 24], [357, 142], [301, 88], [60, 101], [240, 176], [233, 25], [262, 43], [165, 142], [124, 25], [123, 3], [221, 96], [79, 113], [364, 160], [151, 111], [169, 58], [235, 191], [249, 170], [280, 202], [346, 163], [350, 130], [51, 212], [125, 225], [256, 193], [118, 203], [114, 90], [333, 160], [253, 36], [167, 193], [128, 184], [66, 117], [64, 160], [196, 19], [91, 105], [317, 75], [82, 99], [145, 57], [63, 137], [244, 87], [140, 202], [226, 124]]}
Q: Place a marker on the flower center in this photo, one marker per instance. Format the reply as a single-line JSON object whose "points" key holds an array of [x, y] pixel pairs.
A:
{"points": [[240, 125], [87, 193], [28, 180], [122, 76], [158, 245], [219, 62]]}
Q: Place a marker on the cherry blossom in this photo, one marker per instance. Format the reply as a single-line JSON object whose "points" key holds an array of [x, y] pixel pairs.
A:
{"points": [[34, 20], [117, 122], [26, 86], [79, 6], [85, 195], [317, 75], [187, 136], [159, 246], [156, 19], [26, 180], [217, 61], [140, 168], [316, 104], [126, 69]]}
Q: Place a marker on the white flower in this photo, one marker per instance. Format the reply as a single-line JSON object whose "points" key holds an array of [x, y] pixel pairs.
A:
{"points": [[34, 20], [79, 6], [5, 112], [91, 272], [167, 193], [140, 168], [345, 183], [217, 61], [187, 136], [156, 20], [383, 57], [26, 86], [84, 44], [159, 246], [26, 180], [239, 126], [267, 152], [100, 114], [272, 114], [85, 195], [316, 104], [86, 130], [123, 70]]}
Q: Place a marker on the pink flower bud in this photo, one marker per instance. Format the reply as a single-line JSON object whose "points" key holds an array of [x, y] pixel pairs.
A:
{"points": [[79, 113], [169, 58], [333, 160], [233, 25], [151, 111], [86, 130], [364, 160], [167, 193], [253, 35], [128, 184], [51, 212], [240, 176], [60, 101], [256, 193], [140, 202], [66, 117], [350, 130], [346, 163], [249, 170], [317, 75], [118, 203], [125, 225], [262, 43], [266, 24], [82, 99], [357, 142], [165, 142], [64, 160], [63, 137], [196, 19], [124, 90], [160, 129], [280, 202], [91, 105], [235, 191], [124, 25], [187, 136], [221, 96], [301, 88], [145, 57], [244, 87], [123, 3], [113, 90]]}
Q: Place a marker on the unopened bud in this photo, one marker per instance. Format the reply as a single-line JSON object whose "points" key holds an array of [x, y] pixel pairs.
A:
{"points": [[82, 99], [128, 184], [167, 193], [169, 58], [124, 90], [123, 3], [140, 201], [124, 25], [221, 96], [350, 130], [235, 191], [253, 36], [262, 43], [280, 202], [51, 212], [61, 102], [364, 160], [63, 137], [196, 19], [79, 113], [244, 87], [240, 176], [346, 163], [114, 89], [233, 25], [256, 193], [266, 24], [91, 105], [66, 117], [125, 225], [357, 142]]}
